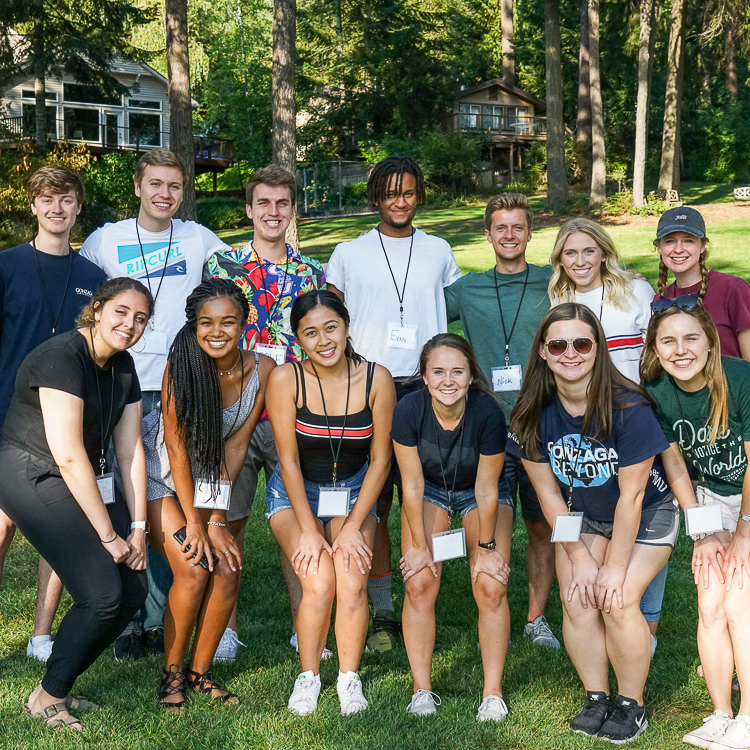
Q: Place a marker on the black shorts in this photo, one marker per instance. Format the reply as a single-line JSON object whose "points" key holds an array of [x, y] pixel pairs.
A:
{"points": [[404, 386], [520, 486]]}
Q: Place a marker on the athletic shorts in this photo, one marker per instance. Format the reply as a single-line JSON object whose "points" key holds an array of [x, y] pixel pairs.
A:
{"points": [[261, 454], [520, 486]]}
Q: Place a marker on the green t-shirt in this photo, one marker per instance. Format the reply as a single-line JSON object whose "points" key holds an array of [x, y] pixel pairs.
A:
{"points": [[473, 300], [683, 415]]}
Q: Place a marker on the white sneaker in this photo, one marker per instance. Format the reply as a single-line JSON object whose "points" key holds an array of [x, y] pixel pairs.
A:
{"points": [[653, 645], [493, 708], [36, 649], [304, 698], [713, 728], [423, 703], [737, 734], [294, 643], [227, 648], [351, 698]]}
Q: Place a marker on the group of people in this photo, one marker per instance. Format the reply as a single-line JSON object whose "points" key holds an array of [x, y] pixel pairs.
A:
{"points": [[167, 370]]}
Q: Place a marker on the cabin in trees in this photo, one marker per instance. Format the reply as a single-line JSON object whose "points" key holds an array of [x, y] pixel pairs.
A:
{"points": [[508, 119]]}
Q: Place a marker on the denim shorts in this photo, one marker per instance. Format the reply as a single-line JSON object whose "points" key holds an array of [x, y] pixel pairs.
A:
{"points": [[463, 501], [277, 499]]}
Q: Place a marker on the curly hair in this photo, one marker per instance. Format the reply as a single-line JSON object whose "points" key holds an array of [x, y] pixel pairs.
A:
{"points": [[107, 292]]}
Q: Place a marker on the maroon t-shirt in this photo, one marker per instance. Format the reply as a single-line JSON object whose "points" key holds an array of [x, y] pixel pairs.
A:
{"points": [[727, 301]]}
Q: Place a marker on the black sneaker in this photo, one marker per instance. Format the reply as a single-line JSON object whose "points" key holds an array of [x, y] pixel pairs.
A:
{"points": [[153, 641], [593, 714], [626, 722], [385, 631], [129, 646]]}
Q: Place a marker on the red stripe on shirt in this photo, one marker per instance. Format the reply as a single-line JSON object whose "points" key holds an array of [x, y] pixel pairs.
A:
{"points": [[623, 342]]}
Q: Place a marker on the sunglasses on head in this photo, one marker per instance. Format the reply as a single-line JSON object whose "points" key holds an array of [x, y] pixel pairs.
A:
{"points": [[685, 302], [557, 347]]}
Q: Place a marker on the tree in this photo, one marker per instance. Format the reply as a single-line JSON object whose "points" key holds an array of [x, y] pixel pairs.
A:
{"points": [[598, 161], [583, 120], [730, 58], [557, 178], [648, 15], [509, 66], [180, 110]]}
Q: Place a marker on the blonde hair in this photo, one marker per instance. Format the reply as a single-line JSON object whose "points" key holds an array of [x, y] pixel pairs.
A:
{"points": [[617, 283], [663, 280]]}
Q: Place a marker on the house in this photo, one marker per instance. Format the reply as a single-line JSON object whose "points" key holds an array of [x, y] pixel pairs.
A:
{"points": [[507, 118]]}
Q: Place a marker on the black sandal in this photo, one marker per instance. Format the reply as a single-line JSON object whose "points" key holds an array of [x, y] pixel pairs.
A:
{"points": [[172, 683], [206, 683]]}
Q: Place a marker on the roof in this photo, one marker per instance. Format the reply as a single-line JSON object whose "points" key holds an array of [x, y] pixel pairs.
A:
{"points": [[538, 103]]}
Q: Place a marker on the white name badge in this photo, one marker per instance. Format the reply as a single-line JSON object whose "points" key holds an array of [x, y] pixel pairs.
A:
{"points": [[703, 519], [447, 545], [155, 342], [106, 485], [203, 495], [506, 378], [276, 352], [333, 501], [567, 527], [402, 337]]}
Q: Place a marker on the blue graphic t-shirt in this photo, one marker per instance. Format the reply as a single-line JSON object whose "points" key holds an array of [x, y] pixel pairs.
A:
{"points": [[591, 465]]}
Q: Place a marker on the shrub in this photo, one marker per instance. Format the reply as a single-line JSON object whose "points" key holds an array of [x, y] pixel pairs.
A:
{"points": [[221, 213], [355, 194]]}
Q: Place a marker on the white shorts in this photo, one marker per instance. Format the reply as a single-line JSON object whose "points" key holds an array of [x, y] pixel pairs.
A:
{"points": [[730, 506]]}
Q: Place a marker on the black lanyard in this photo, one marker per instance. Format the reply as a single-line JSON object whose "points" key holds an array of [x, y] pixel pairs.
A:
{"points": [[518, 312], [270, 311], [53, 321], [579, 448], [145, 267], [102, 432], [335, 453], [402, 293], [447, 458]]}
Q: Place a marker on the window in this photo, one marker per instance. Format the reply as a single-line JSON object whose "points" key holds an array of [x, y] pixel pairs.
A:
{"points": [[494, 93], [144, 103], [76, 92], [493, 117], [469, 114], [518, 120], [29, 121], [50, 96], [145, 130], [81, 124]]}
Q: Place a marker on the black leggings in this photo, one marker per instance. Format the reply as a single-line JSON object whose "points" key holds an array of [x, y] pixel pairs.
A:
{"points": [[105, 595]]}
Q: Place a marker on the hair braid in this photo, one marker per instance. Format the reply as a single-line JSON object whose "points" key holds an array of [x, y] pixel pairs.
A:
{"points": [[384, 170], [661, 284], [704, 276]]}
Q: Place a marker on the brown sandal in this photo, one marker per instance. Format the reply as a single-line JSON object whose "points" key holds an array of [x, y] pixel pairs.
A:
{"points": [[206, 683], [172, 683], [79, 703], [51, 718]]}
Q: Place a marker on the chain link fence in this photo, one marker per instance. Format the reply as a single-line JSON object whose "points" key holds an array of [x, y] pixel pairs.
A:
{"points": [[332, 187]]}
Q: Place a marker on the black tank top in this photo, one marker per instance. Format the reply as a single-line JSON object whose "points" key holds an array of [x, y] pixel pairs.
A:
{"points": [[313, 442]]}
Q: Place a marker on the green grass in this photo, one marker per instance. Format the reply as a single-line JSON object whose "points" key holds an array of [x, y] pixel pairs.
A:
{"points": [[541, 687]]}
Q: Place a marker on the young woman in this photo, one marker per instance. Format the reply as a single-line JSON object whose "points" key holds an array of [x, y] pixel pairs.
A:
{"points": [[196, 442], [72, 393], [683, 249], [449, 440], [331, 418], [588, 436], [703, 405], [587, 269]]}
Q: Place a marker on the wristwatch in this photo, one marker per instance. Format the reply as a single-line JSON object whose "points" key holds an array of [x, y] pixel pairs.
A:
{"points": [[487, 545], [143, 525]]}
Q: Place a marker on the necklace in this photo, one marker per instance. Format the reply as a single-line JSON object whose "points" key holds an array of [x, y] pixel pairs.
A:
{"points": [[226, 372]]}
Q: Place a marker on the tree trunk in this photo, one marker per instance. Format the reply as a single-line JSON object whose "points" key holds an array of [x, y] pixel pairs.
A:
{"points": [[509, 65], [181, 140], [669, 172], [641, 112], [557, 178], [583, 122], [284, 133], [40, 97], [598, 164], [730, 59]]}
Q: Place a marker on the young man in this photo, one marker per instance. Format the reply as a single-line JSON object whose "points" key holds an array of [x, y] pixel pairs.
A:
{"points": [[500, 311], [392, 281], [44, 284], [168, 255], [272, 274]]}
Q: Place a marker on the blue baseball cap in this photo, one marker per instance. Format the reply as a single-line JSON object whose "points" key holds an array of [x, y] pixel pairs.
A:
{"points": [[681, 219]]}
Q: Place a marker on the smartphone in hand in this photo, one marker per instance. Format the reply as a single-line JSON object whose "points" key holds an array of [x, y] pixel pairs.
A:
{"points": [[180, 535]]}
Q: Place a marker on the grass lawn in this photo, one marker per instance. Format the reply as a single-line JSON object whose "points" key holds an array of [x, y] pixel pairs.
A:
{"points": [[541, 687]]}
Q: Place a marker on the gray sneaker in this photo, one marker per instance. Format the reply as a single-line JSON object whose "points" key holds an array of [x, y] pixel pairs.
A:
{"points": [[539, 632]]}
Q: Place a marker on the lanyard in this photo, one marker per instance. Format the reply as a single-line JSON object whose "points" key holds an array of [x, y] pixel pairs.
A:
{"points": [[335, 453], [102, 432], [53, 321], [574, 447], [518, 312], [270, 311], [601, 309], [447, 458], [402, 293], [682, 415], [163, 270]]}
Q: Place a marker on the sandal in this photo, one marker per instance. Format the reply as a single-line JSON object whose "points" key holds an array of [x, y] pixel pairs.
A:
{"points": [[79, 703], [206, 683], [50, 716], [172, 683]]}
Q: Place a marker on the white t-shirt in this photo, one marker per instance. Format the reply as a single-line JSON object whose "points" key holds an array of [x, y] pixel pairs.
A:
{"points": [[115, 249], [625, 329], [360, 270]]}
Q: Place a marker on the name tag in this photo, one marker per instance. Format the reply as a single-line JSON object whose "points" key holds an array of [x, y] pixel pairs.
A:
{"points": [[703, 519], [447, 545], [402, 337], [276, 352], [155, 342], [106, 485], [506, 378], [206, 496], [333, 501], [567, 527]]}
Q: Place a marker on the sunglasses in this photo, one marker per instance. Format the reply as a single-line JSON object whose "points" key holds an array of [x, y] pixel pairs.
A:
{"points": [[685, 302], [558, 347]]}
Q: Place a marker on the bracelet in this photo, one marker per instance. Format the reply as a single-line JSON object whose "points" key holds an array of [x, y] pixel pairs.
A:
{"points": [[743, 517], [216, 523], [142, 525], [110, 541], [487, 545]]}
